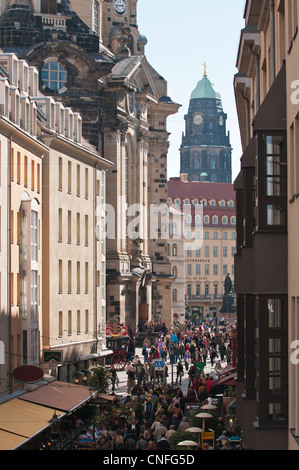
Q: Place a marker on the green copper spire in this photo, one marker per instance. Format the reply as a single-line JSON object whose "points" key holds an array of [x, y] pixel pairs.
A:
{"points": [[205, 88]]}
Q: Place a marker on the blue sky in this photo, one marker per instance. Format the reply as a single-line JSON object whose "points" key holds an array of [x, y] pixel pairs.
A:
{"points": [[182, 35]]}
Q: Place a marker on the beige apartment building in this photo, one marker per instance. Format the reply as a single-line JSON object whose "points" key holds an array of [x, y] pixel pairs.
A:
{"points": [[208, 244], [53, 262], [74, 285], [266, 89], [21, 218]]}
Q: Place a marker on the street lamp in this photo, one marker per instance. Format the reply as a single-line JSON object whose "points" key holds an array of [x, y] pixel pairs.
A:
{"points": [[54, 428]]}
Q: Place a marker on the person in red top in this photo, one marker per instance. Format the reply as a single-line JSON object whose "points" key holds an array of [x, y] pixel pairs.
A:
{"points": [[209, 383]]}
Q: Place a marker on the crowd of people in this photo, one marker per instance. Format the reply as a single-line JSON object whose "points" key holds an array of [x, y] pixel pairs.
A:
{"points": [[156, 407]]}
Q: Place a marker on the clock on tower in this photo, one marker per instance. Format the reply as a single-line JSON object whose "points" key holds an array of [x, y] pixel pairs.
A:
{"points": [[120, 6]]}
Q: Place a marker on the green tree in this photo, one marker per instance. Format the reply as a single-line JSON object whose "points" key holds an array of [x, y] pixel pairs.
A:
{"points": [[101, 379]]}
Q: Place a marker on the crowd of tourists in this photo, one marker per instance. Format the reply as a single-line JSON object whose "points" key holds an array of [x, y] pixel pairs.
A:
{"points": [[156, 407]]}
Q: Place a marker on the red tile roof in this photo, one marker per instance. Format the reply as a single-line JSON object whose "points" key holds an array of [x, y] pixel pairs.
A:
{"points": [[200, 190]]}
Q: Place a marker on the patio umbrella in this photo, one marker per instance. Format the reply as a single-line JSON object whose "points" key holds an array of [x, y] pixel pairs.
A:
{"points": [[188, 443], [203, 416], [194, 429], [209, 406]]}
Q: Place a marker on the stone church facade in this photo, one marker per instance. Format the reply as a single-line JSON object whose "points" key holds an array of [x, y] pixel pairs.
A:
{"points": [[93, 61]]}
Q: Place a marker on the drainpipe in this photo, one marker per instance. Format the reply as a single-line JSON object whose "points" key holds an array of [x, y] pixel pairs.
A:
{"points": [[272, 42], [258, 80], [95, 299], [9, 262], [247, 118]]}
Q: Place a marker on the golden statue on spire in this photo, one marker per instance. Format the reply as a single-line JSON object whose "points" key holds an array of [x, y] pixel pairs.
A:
{"points": [[205, 69]]}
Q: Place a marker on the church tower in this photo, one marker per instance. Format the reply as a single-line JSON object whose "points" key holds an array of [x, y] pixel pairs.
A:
{"points": [[206, 150]]}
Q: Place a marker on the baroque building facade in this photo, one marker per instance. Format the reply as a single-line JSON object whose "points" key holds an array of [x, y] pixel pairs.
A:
{"points": [[205, 150], [92, 60]]}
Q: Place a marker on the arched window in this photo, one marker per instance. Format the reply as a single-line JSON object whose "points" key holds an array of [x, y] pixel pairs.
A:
{"points": [[215, 219], [233, 220], [195, 164], [174, 250], [175, 271], [224, 220]]}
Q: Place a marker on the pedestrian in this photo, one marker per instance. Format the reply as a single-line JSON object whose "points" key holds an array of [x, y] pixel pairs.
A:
{"points": [[187, 359], [179, 372], [145, 353], [141, 443], [114, 378], [131, 379], [148, 409], [163, 443]]}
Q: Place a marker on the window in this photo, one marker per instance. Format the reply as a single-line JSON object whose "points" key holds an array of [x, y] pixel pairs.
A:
{"points": [[69, 227], [215, 235], [207, 251], [78, 322], [233, 220], [198, 269], [86, 321], [174, 271], [86, 278], [225, 269], [69, 317], [215, 269], [189, 290], [224, 220], [198, 290], [215, 219], [86, 183], [272, 183], [69, 277], [86, 230], [215, 251], [60, 324], [60, 174], [207, 269], [78, 277], [174, 250], [32, 175], [60, 276], [189, 251], [53, 75], [60, 225], [189, 269], [49, 7], [207, 289], [224, 252], [69, 177], [34, 236], [34, 295], [78, 180], [78, 229], [198, 252], [206, 219]]}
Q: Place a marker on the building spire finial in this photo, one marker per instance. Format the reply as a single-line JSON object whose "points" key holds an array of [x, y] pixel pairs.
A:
{"points": [[204, 69]]}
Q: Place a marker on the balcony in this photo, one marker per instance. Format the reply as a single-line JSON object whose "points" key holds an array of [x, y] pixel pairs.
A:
{"points": [[203, 298]]}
